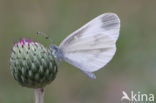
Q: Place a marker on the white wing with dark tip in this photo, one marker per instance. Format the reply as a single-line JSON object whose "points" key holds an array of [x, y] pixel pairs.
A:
{"points": [[93, 45]]}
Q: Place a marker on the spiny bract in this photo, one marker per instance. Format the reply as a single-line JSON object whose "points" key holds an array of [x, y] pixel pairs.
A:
{"points": [[32, 64]]}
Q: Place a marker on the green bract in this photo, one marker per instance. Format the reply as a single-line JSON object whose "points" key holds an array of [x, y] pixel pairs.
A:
{"points": [[32, 65]]}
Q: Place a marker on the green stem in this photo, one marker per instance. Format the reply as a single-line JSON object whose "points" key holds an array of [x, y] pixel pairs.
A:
{"points": [[39, 95]]}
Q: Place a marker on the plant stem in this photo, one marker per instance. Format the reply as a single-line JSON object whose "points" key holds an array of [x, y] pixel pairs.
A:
{"points": [[39, 95]]}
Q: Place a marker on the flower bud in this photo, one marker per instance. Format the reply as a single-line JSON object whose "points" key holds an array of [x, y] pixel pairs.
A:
{"points": [[32, 64]]}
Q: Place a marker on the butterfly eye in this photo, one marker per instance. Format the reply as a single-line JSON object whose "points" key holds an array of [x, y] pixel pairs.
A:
{"points": [[53, 46]]}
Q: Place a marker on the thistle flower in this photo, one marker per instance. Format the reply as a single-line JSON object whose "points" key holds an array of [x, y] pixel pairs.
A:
{"points": [[32, 64]]}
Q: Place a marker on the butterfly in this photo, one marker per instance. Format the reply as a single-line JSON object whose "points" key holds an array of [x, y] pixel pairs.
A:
{"points": [[92, 46]]}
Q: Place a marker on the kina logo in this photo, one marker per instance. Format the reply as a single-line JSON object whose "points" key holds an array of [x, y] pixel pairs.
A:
{"points": [[137, 96]]}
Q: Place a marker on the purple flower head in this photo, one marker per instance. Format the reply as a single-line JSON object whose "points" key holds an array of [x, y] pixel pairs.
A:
{"points": [[29, 40], [23, 41]]}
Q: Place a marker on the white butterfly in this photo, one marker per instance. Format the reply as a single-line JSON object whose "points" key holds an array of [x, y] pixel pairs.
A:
{"points": [[92, 46]]}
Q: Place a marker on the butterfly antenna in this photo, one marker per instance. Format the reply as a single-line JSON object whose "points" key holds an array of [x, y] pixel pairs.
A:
{"points": [[45, 35]]}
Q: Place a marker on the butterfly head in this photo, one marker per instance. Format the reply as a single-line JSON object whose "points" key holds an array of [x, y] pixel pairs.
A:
{"points": [[54, 47], [57, 53]]}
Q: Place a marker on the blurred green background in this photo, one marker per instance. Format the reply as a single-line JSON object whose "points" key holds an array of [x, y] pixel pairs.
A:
{"points": [[132, 68]]}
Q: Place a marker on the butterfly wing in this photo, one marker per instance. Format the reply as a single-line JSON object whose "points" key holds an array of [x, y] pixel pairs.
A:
{"points": [[93, 45]]}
